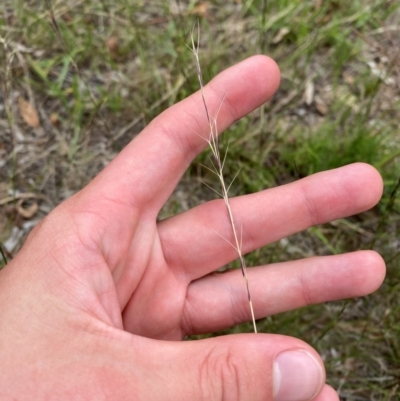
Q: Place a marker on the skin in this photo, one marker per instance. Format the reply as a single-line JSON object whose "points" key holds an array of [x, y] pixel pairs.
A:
{"points": [[94, 305]]}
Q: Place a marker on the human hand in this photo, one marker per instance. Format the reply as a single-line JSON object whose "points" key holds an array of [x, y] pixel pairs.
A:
{"points": [[88, 303]]}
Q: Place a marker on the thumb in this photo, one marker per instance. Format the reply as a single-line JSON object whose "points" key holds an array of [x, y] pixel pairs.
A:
{"points": [[252, 367]]}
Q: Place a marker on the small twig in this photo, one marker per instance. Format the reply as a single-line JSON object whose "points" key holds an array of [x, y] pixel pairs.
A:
{"points": [[24, 196], [54, 24], [213, 144]]}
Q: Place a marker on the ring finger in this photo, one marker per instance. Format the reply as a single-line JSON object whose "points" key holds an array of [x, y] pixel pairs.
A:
{"points": [[220, 300]]}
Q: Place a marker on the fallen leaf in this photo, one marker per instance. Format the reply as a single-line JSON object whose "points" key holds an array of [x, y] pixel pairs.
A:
{"points": [[54, 119], [27, 211], [28, 113], [112, 45], [200, 10], [321, 106], [66, 17], [309, 93], [348, 78], [280, 35], [39, 53]]}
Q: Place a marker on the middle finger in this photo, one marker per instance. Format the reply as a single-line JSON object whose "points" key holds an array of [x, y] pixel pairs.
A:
{"points": [[199, 241]]}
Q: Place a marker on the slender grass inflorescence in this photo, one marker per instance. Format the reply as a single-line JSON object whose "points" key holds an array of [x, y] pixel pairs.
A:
{"points": [[218, 165]]}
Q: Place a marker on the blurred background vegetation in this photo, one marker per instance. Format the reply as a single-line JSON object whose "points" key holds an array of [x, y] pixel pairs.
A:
{"points": [[80, 79]]}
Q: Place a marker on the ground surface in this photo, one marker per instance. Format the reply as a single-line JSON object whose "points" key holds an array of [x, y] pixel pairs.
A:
{"points": [[79, 80]]}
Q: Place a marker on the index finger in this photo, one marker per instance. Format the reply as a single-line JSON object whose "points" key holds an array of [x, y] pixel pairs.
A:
{"points": [[148, 169]]}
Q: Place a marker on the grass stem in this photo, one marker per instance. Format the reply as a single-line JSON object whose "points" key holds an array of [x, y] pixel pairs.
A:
{"points": [[218, 164]]}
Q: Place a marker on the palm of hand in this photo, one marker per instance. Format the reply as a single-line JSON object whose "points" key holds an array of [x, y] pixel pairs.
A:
{"points": [[106, 265]]}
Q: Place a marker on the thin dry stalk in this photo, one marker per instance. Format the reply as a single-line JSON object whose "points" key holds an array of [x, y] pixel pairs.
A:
{"points": [[218, 166]]}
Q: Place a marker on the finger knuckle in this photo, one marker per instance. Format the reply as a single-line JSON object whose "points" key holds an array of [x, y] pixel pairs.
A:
{"points": [[223, 376]]}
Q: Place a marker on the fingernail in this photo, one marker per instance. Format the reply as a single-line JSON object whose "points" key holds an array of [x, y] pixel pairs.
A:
{"points": [[297, 376]]}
